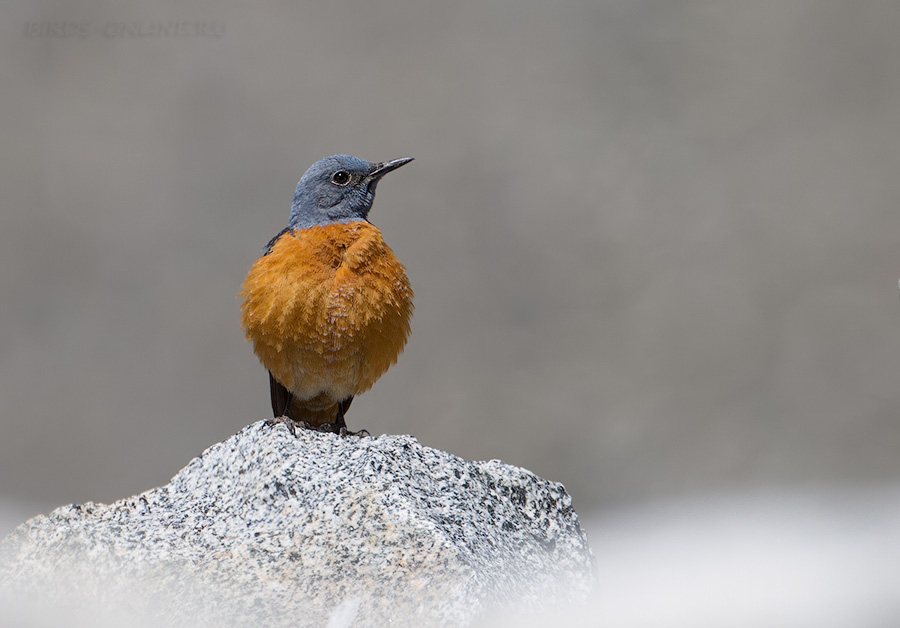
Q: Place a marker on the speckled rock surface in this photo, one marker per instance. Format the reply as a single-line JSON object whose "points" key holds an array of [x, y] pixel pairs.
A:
{"points": [[271, 529]]}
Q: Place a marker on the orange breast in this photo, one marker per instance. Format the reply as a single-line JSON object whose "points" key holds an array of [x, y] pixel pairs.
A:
{"points": [[327, 310]]}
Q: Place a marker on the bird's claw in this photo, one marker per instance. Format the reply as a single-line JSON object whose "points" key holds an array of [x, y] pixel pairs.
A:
{"points": [[325, 428], [290, 423], [345, 432]]}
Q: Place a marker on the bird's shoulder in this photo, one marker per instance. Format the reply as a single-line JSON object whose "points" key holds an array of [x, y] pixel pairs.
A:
{"points": [[353, 244]]}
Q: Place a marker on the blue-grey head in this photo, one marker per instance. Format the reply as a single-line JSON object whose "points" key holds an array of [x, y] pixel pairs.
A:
{"points": [[340, 188]]}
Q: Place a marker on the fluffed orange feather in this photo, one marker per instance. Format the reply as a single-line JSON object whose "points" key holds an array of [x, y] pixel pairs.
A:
{"points": [[327, 311]]}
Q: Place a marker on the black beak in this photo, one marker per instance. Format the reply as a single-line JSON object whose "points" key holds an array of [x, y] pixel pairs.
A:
{"points": [[386, 166]]}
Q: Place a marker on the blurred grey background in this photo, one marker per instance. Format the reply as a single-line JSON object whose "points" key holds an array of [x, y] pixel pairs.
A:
{"points": [[654, 244]]}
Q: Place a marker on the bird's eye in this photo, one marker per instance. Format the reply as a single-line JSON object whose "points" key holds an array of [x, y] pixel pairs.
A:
{"points": [[341, 177]]}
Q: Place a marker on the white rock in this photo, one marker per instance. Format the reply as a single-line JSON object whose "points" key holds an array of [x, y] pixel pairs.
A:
{"points": [[271, 529]]}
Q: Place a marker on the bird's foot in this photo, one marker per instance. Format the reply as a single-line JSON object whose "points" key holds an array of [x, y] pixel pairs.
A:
{"points": [[340, 429], [291, 424], [360, 433], [325, 428]]}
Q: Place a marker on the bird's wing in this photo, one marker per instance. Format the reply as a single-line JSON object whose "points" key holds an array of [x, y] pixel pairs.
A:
{"points": [[268, 248], [281, 397]]}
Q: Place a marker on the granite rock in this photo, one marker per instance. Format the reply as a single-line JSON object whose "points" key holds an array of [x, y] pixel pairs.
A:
{"points": [[268, 528]]}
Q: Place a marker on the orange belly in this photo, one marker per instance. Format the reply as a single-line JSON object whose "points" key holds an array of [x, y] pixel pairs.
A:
{"points": [[327, 311]]}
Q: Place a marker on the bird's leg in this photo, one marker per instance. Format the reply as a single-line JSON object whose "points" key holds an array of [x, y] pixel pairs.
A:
{"points": [[339, 423], [285, 418], [340, 426]]}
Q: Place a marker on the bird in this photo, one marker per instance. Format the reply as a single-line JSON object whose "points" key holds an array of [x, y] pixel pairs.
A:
{"points": [[327, 306]]}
